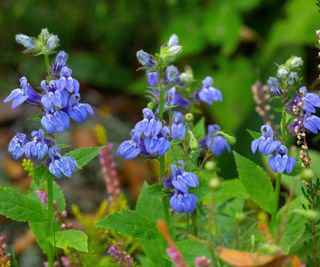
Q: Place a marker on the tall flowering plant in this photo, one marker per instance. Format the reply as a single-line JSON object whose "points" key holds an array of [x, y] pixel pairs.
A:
{"points": [[59, 102]]}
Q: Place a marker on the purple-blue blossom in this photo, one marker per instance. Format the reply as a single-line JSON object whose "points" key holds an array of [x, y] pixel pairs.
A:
{"points": [[172, 74], [265, 144], [16, 145], [25, 93], [55, 95], [78, 111], [152, 77], [55, 120], [25, 40], [71, 84], [183, 202], [178, 126], [60, 165], [281, 161], [311, 122], [145, 59], [59, 62], [274, 86], [207, 93], [216, 143], [38, 147], [310, 100], [176, 100]]}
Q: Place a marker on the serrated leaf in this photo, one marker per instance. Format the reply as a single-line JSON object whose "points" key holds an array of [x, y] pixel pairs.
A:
{"points": [[84, 155], [75, 239], [20, 207], [256, 183], [154, 249], [130, 223], [192, 249]]}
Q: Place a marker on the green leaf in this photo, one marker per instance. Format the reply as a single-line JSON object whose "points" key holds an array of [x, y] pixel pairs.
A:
{"points": [[291, 222], [199, 130], [231, 189], [84, 155], [20, 207], [130, 223], [41, 174], [256, 183], [75, 239], [254, 134], [40, 230], [155, 248]]}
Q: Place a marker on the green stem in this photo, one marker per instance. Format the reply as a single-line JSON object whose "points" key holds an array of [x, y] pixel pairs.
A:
{"points": [[51, 219], [46, 61], [277, 196]]}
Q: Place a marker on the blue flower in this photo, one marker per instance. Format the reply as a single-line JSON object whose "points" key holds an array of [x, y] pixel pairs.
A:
{"points": [[145, 59], [274, 86], [173, 40], [128, 150], [55, 120], [54, 94], [25, 93], [52, 42], [71, 84], [281, 162], [207, 93], [61, 165], [311, 123], [172, 74], [25, 40], [181, 180], [16, 145], [293, 78], [59, 62], [178, 126], [38, 147], [78, 111], [216, 143], [148, 137], [310, 100], [266, 143], [152, 77], [183, 202], [175, 99]]}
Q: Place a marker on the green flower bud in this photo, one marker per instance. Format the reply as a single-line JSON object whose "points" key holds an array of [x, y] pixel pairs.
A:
{"points": [[210, 165], [307, 174], [151, 105], [294, 62], [214, 183], [240, 216], [189, 117]]}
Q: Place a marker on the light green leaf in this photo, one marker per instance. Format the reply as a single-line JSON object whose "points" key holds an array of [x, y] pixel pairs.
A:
{"points": [[84, 155], [130, 223], [199, 130], [20, 207], [231, 189], [39, 230], [75, 239], [256, 183], [292, 223], [155, 248], [192, 249]]}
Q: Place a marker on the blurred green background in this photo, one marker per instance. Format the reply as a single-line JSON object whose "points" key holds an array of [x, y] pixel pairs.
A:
{"points": [[235, 41]]}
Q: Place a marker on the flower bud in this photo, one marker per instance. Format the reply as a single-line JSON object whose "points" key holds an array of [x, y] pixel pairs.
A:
{"points": [[44, 34], [145, 59], [53, 42], [151, 105], [307, 174], [318, 33], [282, 72], [294, 62], [210, 165], [173, 40], [188, 117], [214, 183], [25, 40], [240, 216]]}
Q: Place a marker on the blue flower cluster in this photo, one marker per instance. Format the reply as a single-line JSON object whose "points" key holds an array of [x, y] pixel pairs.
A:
{"points": [[60, 102], [215, 142], [149, 137], [302, 107], [280, 161], [207, 93], [181, 200]]}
